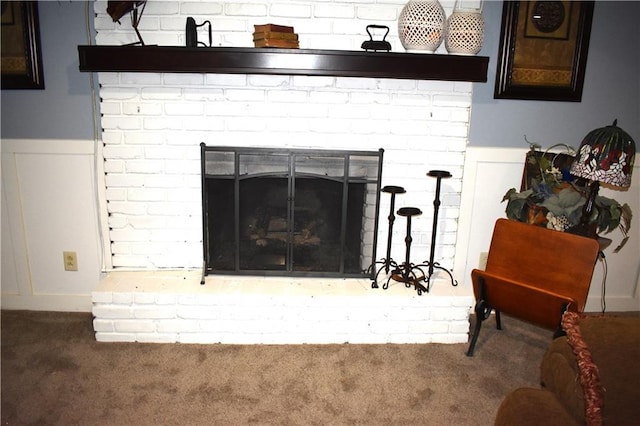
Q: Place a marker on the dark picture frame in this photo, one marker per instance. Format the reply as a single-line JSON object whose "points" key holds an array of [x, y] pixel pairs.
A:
{"points": [[21, 48], [543, 50]]}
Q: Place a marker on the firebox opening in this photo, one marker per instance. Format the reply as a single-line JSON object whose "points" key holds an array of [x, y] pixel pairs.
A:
{"points": [[290, 213]]}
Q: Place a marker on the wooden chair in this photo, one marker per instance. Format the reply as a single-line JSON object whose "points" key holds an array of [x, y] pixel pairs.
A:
{"points": [[533, 274]]}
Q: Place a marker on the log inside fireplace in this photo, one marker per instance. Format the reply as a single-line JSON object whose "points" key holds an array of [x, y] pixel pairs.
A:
{"points": [[290, 212]]}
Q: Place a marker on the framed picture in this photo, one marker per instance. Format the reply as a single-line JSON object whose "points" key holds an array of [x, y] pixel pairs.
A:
{"points": [[21, 54], [536, 161], [543, 50]]}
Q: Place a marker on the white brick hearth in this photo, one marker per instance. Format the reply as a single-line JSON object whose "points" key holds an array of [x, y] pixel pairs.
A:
{"points": [[153, 124], [167, 307]]}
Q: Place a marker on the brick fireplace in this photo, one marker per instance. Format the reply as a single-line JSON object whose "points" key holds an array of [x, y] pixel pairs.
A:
{"points": [[153, 125]]}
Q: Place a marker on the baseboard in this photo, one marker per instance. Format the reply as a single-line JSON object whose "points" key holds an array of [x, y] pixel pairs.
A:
{"points": [[56, 303]]}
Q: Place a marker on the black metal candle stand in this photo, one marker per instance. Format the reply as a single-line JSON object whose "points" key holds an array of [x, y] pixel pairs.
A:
{"points": [[388, 263], [412, 275], [408, 273], [430, 265], [416, 275]]}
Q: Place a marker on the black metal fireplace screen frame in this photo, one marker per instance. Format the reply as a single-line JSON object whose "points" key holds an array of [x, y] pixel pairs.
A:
{"points": [[209, 171]]}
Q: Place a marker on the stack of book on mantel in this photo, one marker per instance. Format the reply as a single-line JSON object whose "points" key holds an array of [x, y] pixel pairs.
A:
{"points": [[271, 35]]}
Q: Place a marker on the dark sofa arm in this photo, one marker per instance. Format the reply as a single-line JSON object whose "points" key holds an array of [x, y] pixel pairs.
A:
{"points": [[614, 343], [532, 407]]}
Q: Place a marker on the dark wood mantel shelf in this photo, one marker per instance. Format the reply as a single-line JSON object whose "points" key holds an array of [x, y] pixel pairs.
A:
{"points": [[248, 60]]}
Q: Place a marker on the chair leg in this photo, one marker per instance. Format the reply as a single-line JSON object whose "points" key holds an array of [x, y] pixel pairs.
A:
{"points": [[474, 338], [482, 313], [498, 320], [560, 331]]}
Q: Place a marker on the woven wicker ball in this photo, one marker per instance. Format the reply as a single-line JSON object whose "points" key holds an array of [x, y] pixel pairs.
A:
{"points": [[465, 33], [421, 26]]}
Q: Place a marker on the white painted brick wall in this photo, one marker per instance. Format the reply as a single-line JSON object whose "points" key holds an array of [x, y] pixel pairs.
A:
{"points": [[153, 124]]}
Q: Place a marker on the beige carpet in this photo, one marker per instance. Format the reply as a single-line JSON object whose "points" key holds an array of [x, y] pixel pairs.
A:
{"points": [[55, 373]]}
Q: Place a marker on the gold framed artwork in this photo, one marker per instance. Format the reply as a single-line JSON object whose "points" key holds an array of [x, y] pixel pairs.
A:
{"points": [[543, 50], [21, 53]]}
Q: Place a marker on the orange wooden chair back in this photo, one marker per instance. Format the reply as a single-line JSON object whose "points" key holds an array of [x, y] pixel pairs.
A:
{"points": [[532, 272]]}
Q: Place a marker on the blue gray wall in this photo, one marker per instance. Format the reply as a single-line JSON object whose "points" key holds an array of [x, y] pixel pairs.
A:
{"points": [[612, 84], [63, 109], [611, 88]]}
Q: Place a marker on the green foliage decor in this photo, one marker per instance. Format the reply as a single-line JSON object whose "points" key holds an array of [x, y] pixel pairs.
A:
{"points": [[554, 198]]}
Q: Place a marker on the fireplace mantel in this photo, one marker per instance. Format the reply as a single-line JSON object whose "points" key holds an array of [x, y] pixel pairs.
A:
{"points": [[247, 60]]}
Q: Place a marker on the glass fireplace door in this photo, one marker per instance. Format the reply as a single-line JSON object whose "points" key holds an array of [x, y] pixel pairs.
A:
{"points": [[289, 212], [263, 207], [318, 213]]}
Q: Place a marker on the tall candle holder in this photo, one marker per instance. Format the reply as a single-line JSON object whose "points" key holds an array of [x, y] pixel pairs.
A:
{"points": [[430, 264], [408, 273], [387, 263]]}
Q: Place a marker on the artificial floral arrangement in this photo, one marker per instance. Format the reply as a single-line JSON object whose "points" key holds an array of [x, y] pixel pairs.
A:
{"points": [[551, 197]]}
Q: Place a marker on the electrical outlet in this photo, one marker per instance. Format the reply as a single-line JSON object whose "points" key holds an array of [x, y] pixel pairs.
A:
{"points": [[70, 260], [482, 261]]}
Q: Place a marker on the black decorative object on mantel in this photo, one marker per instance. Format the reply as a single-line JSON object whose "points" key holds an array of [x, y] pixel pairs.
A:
{"points": [[191, 33], [117, 9], [376, 45]]}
